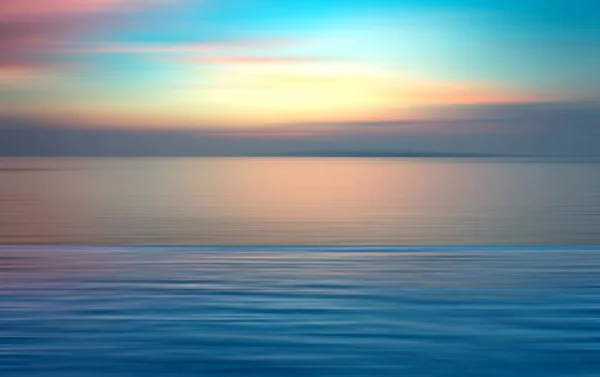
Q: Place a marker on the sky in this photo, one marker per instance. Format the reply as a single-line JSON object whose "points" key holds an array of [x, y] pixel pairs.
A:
{"points": [[288, 69]]}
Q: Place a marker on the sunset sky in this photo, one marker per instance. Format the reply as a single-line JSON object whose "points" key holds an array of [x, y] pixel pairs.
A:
{"points": [[266, 67], [189, 63]]}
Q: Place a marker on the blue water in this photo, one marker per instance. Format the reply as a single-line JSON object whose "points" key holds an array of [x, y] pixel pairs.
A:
{"points": [[299, 311]]}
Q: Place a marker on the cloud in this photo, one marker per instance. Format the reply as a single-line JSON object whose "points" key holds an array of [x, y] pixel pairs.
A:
{"points": [[43, 8], [255, 60], [30, 29], [280, 89], [17, 73], [456, 93], [176, 48], [550, 129], [286, 72]]}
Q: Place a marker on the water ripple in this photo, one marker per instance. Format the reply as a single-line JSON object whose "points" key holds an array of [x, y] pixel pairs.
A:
{"points": [[318, 311]]}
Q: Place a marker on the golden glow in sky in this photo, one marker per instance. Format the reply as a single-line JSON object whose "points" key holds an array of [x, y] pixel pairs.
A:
{"points": [[187, 63]]}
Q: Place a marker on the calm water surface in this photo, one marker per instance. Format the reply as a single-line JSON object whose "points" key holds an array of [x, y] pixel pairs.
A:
{"points": [[436, 312], [283, 310], [287, 201]]}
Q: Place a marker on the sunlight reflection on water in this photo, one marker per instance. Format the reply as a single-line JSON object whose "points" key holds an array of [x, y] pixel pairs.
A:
{"points": [[291, 201]]}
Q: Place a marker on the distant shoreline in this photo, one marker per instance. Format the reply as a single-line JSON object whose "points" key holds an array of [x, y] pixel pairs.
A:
{"points": [[297, 155]]}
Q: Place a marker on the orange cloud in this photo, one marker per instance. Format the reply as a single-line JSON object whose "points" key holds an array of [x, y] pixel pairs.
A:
{"points": [[21, 73], [444, 93]]}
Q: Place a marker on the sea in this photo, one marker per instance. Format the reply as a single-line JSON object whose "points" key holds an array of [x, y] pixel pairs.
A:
{"points": [[417, 267]]}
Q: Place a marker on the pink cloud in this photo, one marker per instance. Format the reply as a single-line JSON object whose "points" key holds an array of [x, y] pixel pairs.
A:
{"points": [[29, 29], [43, 8]]}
